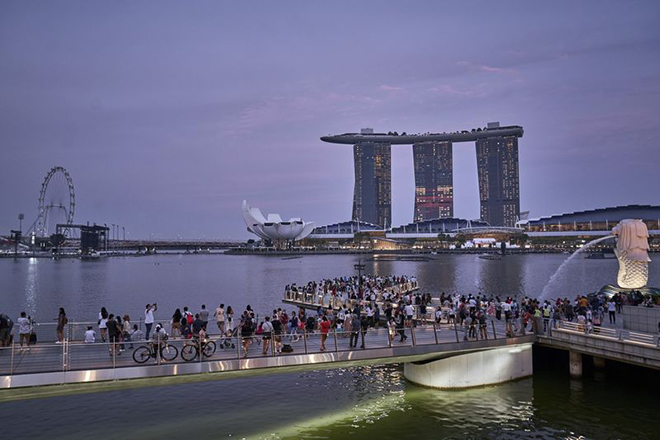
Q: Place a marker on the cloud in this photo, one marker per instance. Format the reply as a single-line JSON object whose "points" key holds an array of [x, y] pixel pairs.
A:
{"points": [[486, 68], [391, 88], [478, 90]]}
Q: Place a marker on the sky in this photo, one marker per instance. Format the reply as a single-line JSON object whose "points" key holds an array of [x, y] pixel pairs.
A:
{"points": [[168, 114]]}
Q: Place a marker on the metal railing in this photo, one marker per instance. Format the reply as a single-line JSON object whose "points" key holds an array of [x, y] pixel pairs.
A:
{"points": [[653, 341], [74, 355]]}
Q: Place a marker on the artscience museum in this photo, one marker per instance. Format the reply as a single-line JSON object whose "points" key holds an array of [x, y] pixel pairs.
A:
{"points": [[272, 227]]}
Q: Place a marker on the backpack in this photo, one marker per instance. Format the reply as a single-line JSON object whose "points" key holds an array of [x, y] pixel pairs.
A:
{"points": [[189, 318], [247, 323]]}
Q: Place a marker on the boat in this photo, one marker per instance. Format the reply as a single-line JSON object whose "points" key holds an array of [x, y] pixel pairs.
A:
{"points": [[92, 255], [490, 256]]}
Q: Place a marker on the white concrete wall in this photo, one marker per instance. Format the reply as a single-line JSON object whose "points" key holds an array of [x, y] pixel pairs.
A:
{"points": [[474, 369], [641, 319]]}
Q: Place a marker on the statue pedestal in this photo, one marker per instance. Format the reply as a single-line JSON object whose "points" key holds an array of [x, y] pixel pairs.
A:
{"points": [[641, 319], [611, 289]]}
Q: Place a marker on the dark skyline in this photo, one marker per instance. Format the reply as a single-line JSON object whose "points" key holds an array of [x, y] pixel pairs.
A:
{"points": [[168, 115]]}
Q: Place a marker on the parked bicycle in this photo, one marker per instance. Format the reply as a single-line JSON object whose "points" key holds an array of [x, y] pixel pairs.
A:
{"points": [[190, 349], [143, 353]]}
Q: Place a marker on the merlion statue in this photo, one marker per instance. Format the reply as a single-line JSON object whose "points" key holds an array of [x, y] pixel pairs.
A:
{"points": [[632, 247]]}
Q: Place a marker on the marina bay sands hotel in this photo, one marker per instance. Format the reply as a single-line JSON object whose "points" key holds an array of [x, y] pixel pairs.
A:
{"points": [[497, 170]]}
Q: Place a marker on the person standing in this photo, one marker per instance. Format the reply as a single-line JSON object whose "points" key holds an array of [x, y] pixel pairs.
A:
{"points": [[364, 324], [6, 325], [391, 329], [229, 320], [204, 315], [113, 335], [246, 331], [400, 325], [611, 310], [149, 317], [220, 318], [176, 323], [277, 333], [267, 333], [24, 330], [103, 320], [126, 330], [61, 322], [355, 328], [325, 328]]}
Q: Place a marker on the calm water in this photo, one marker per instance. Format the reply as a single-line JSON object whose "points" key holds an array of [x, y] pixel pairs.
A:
{"points": [[369, 402]]}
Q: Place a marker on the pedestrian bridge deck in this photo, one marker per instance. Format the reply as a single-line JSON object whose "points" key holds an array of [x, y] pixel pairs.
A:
{"points": [[77, 362]]}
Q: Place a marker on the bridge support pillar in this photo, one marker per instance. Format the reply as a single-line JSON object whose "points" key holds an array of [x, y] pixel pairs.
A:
{"points": [[575, 364], [599, 362], [486, 367]]}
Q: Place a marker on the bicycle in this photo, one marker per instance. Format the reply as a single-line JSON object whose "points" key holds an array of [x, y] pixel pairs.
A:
{"points": [[143, 353], [190, 350]]}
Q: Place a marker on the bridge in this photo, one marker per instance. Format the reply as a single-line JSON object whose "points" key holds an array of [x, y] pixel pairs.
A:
{"points": [[435, 355], [426, 344]]}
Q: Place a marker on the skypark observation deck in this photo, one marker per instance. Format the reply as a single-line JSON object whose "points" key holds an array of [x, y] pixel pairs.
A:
{"points": [[497, 172], [409, 139]]}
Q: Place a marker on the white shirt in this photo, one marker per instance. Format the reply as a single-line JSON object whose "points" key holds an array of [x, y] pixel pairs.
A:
{"points": [[90, 336], [23, 325], [220, 314], [149, 316], [611, 307], [409, 310]]}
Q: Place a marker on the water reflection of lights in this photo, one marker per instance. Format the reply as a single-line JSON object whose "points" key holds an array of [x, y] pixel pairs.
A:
{"points": [[31, 286]]}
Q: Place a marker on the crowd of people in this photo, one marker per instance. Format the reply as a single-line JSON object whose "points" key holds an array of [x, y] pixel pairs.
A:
{"points": [[366, 302], [338, 291]]}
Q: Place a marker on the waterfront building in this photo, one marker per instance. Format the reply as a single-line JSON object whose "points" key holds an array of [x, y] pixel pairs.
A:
{"points": [[499, 188], [372, 194], [434, 186], [497, 159], [589, 222]]}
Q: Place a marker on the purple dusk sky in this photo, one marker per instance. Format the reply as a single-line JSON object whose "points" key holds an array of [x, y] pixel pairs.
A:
{"points": [[169, 114]]}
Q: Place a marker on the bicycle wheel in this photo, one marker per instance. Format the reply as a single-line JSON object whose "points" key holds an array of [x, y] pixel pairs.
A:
{"points": [[209, 349], [169, 352], [188, 352], [141, 354]]}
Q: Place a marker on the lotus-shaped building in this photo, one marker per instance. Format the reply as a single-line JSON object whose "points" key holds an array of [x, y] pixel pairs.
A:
{"points": [[272, 227]]}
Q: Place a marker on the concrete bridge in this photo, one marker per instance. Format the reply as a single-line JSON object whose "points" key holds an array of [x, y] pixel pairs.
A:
{"points": [[636, 348]]}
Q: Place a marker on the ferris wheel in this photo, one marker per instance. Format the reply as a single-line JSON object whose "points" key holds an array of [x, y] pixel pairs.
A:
{"points": [[57, 202]]}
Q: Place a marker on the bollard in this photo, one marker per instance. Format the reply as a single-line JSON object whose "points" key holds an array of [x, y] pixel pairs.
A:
{"points": [[435, 333], [412, 333], [157, 349], [238, 344], [305, 339], [334, 332], [456, 331], [494, 332]]}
